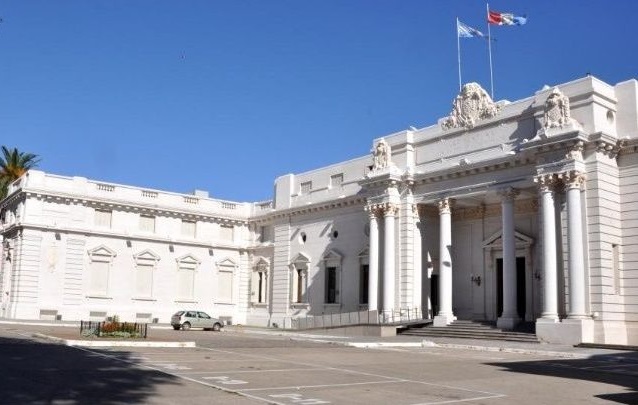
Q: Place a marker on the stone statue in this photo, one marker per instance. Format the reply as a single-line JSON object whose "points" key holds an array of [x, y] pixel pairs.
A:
{"points": [[381, 155], [470, 106], [557, 110]]}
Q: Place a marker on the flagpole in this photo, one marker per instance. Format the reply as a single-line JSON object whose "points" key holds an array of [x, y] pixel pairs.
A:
{"points": [[489, 47], [458, 50]]}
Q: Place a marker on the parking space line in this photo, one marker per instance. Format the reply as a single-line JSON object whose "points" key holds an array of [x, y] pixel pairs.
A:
{"points": [[252, 371], [320, 386], [454, 401], [490, 394]]}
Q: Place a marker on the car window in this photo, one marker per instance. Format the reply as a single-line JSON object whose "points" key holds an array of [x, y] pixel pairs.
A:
{"points": [[191, 314], [203, 315]]}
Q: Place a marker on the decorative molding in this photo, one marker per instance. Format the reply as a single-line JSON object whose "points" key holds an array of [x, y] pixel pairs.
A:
{"points": [[576, 151], [473, 104], [546, 182], [445, 206], [573, 179], [556, 115], [509, 194]]}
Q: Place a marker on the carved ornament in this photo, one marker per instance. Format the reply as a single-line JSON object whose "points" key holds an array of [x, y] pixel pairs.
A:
{"points": [[473, 104], [381, 156]]}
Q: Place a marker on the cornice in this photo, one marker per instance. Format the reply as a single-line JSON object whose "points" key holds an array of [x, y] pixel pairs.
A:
{"points": [[453, 173], [94, 202], [121, 235], [319, 207]]}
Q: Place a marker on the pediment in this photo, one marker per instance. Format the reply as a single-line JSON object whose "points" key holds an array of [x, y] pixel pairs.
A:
{"points": [[188, 259], [227, 262], [301, 258], [496, 240], [332, 255], [102, 251], [261, 263], [146, 256]]}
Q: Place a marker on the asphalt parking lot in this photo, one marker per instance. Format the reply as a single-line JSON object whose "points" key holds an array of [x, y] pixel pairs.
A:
{"points": [[243, 368]]}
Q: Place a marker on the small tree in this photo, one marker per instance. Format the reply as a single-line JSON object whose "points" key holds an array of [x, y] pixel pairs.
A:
{"points": [[13, 164]]}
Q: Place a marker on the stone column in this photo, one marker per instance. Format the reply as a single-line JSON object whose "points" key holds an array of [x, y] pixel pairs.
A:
{"points": [[445, 315], [373, 266], [550, 274], [576, 259], [417, 294], [510, 317], [388, 257]]}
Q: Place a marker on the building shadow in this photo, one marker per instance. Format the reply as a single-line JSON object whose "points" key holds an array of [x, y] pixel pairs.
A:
{"points": [[43, 373], [614, 369]]}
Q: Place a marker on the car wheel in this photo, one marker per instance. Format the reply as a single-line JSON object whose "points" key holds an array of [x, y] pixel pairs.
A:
{"points": [[186, 326], [217, 327], [176, 327]]}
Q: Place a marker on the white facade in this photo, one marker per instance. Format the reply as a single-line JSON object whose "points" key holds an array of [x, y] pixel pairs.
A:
{"points": [[521, 211]]}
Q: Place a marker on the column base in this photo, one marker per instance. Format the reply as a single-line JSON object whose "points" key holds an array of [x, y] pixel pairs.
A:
{"points": [[569, 331], [443, 320], [507, 322]]}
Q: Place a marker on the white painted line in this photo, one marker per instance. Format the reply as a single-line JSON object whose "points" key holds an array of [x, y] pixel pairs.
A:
{"points": [[252, 371], [115, 343], [454, 401], [360, 373], [320, 386]]}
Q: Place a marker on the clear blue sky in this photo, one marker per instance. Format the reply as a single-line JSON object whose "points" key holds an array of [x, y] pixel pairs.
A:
{"points": [[225, 96]]}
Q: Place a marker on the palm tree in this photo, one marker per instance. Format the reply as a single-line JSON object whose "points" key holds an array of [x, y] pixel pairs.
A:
{"points": [[13, 164]]}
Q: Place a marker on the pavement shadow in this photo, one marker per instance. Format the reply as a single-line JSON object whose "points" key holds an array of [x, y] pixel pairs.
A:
{"points": [[44, 373], [612, 369]]}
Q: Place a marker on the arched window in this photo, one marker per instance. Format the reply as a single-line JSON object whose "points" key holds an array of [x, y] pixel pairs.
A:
{"points": [[259, 282]]}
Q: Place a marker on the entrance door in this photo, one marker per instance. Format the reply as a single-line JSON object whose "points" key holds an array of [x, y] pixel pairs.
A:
{"points": [[521, 299], [434, 294]]}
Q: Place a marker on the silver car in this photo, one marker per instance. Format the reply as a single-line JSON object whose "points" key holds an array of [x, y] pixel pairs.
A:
{"points": [[195, 319]]}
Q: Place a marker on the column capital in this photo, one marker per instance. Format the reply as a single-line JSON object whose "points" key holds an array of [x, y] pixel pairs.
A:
{"points": [[546, 182], [445, 206], [390, 209], [573, 179], [509, 194]]}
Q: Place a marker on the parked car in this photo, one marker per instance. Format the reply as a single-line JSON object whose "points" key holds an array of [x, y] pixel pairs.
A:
{"points": [[195, 319]]}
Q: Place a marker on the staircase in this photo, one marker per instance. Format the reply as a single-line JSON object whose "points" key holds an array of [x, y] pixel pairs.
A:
{"points": [[475, 330]]}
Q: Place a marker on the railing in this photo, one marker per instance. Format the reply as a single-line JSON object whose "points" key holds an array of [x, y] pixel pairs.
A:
{"points": [[113, 329], [354, 318]]}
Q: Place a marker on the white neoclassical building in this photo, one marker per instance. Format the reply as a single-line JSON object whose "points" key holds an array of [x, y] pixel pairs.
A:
{"points": [[522, 211]]}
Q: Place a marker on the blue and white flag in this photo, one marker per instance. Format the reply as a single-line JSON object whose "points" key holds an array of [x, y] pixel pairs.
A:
{"points": [[465, 31]]}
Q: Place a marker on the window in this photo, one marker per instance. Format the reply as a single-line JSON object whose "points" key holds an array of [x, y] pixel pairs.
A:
{"points": [[332, 270], [226, 232], [299, 279], [101, 259], [145, 264], [186, 268], [147, 223], [225, 275], [188, 228], [331, 285], [363, 283], [259, 282], [103, 218], [306, 187], [336, 180]]}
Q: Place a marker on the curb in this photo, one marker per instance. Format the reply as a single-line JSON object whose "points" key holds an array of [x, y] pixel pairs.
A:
{"points": [[112, 343], [427, 343]]}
